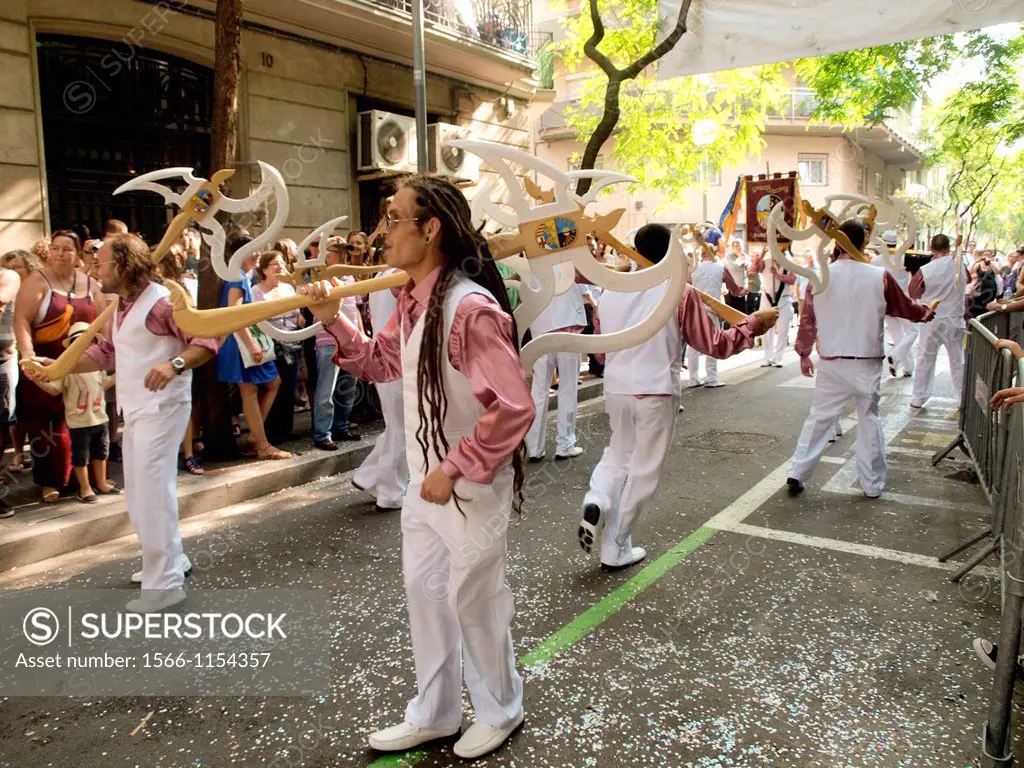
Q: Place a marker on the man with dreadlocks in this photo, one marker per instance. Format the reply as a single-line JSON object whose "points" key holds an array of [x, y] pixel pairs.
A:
{"points": [[453, 343]]}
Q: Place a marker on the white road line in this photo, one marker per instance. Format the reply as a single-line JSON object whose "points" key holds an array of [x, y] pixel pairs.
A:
{"points": [[849, 547], [833, 460], [752, 500]]}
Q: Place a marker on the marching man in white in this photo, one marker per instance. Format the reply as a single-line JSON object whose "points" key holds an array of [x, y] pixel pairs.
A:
{"points": [[847, 322], [708, 278], [564, 314], [938, 281], [384, 474], [153, 359], [776, 291], [454, 346], [902, 332], [641, 387]]}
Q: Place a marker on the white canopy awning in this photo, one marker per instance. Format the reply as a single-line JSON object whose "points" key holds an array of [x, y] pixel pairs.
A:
{"points": [[728, 34]]}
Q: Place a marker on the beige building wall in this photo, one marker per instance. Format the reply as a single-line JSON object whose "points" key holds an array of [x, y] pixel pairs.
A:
{"points": [[298, 113], [21, 180], [781, 155]]}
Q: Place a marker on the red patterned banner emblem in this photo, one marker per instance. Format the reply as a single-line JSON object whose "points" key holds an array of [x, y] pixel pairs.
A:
{"points": [[763, 194]]}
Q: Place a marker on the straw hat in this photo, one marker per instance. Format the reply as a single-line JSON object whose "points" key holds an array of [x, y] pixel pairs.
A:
{"points": [[76, 330]]}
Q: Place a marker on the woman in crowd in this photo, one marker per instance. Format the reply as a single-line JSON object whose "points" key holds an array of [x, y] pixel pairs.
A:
{"points": [[257, 382], [287, 354], [50, 301], [22, 262]]}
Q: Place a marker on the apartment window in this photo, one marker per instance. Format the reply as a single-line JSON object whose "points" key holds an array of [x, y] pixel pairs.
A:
{"points": [[862, 180], [714, 175], [813, 170], [878, 185], [892, 187]]}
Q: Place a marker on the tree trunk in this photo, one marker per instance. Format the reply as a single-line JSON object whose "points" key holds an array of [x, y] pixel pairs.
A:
{"points": [[214, 401], [616, 77]]}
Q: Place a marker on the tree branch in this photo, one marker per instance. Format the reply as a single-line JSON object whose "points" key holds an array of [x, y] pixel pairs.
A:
{"points": [[616, 76]]}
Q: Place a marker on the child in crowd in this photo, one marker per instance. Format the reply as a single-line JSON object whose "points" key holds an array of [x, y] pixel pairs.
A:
{"points": [[86, 414]]}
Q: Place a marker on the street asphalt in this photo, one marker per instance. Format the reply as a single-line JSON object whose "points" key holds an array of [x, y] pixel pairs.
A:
{"points": [[762, 630]]}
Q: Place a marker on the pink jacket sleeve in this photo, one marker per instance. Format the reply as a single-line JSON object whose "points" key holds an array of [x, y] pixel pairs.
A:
{"points": [[897, 304], [730, 285], [702, 334], [378, 359], [807, 333], [481, 347]]}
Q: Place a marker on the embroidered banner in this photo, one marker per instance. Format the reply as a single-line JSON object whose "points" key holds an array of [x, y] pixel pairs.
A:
{"points": [[763, 194]]}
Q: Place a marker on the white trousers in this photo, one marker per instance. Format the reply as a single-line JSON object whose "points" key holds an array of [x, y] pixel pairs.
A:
{"points": [[460, 608], [904, 333], [385, 472], [940, 332], [836, 382], [627, 477], [693, 358], [774, 341], [568, 364], [150, 455]]}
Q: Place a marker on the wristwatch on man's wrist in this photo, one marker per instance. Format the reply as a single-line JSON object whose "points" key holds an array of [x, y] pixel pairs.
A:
{"points": [[178, 364]]}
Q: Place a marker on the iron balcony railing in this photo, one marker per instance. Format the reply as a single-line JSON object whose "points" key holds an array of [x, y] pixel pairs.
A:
{"points": [[504, 24]]}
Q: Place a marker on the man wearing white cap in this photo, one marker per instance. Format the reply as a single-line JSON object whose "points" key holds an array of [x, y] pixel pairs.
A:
{"points": [[902, 332]]}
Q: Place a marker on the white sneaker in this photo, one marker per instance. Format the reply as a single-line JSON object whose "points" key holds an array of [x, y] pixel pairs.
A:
{"points": [[713, 384], [184, 562], [635, 556], [390, 505], [481, 739], [399, 738], [156, 600], [572, 453]]}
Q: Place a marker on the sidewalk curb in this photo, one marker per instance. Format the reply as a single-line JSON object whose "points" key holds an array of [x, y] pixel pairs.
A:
{"points": [[84, 527]]}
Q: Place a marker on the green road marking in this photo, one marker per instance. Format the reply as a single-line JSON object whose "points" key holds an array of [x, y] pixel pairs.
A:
{"points": [[586, 622], [404, 760]]}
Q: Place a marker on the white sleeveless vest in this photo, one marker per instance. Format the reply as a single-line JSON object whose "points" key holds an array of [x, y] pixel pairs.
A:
{"points": [[563, 311], [708, 277], [382, 305], [464, 410], [650, 368], [851, 312], [137, 350], [940, 283]]}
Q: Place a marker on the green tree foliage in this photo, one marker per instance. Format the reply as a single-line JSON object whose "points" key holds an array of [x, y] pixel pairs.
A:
{"points": [[651, 120]]}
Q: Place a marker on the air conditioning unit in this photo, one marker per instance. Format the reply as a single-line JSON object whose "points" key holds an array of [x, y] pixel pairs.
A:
{"points": [[384, 142], [448, 160]]}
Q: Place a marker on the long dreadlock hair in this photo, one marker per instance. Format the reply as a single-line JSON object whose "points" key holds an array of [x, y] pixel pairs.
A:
{"points": [[466, 254]]}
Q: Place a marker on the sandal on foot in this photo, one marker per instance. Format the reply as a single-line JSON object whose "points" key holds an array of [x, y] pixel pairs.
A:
{"points": [[273, 454], [50, 495], [113, 490], [193, 466], [90, 499]]}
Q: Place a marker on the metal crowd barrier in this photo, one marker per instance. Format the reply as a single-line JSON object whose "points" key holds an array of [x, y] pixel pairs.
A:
{"points": [[1005, 325], [996, 742], [982, 431]]}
